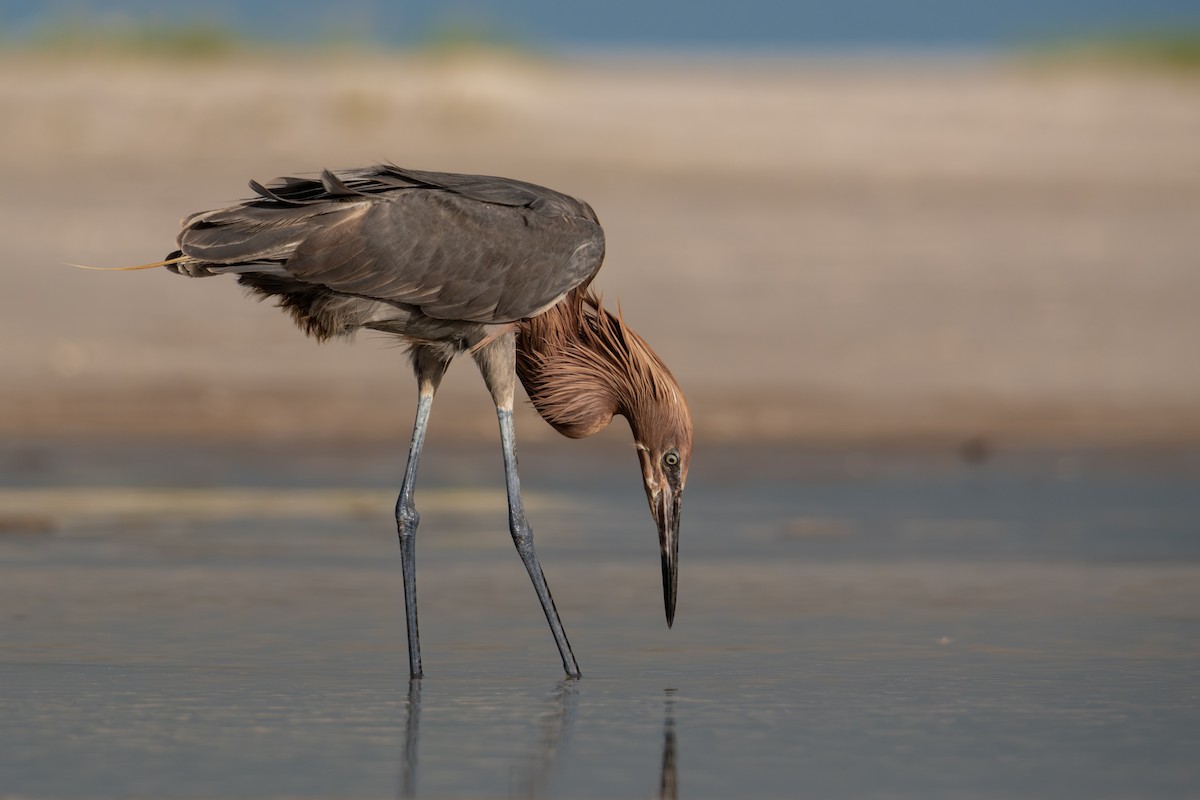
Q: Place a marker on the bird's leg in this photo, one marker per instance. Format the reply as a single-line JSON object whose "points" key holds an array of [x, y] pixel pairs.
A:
{"points": [[429, 368], [497, 362], [407, 519], [522, 535]]}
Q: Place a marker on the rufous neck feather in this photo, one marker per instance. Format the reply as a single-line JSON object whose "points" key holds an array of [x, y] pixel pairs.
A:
{"points": [[580, 365]]}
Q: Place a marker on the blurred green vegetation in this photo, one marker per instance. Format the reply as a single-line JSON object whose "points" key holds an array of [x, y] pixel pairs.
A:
{"points": [[1176, 51], [82, 35]]}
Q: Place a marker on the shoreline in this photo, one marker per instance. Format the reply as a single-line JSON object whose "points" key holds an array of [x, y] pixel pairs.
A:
{"points": [[231, 413]]}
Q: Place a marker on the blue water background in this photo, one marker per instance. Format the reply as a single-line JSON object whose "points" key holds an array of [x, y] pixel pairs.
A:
{"points": [[672, 24]]}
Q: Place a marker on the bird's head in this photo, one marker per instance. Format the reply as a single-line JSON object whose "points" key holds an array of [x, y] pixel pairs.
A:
{"points": [[581, 365], [663, 438]]}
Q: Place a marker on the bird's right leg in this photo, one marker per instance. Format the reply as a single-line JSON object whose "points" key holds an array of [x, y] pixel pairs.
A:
{"points": [[430, 365], [497, 362]]}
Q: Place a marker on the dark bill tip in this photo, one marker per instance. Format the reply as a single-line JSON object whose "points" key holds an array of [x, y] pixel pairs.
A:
{"points": [[670, 588], [668, 539]]}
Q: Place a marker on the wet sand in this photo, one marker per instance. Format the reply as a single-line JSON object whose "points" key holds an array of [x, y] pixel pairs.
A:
{"points": [[827, 251]]}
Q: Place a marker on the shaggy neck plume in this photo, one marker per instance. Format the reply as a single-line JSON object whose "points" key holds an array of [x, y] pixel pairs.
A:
{"points": [[580, 365]]}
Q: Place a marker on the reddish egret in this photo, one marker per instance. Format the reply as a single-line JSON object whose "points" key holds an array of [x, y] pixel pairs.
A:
{"points": [[450, 263]]}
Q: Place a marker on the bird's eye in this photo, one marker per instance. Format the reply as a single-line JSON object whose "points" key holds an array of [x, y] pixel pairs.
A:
{"points": [[671, 459]]}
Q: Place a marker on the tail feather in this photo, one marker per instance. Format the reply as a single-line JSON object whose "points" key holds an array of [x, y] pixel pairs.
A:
{"points": [[172, 259]]}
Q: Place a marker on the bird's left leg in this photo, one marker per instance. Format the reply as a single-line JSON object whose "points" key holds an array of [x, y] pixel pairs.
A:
{"points": [[497, 362], [430, 364]]}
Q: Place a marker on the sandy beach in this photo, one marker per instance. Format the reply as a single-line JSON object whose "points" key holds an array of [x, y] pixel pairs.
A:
{"points": [[823, 251]]}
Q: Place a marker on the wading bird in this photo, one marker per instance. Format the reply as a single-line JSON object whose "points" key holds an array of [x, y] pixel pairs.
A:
{"points": [[451, 263]]}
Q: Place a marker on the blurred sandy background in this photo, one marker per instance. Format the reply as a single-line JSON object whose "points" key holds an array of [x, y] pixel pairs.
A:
{"points": [[830, 250]]}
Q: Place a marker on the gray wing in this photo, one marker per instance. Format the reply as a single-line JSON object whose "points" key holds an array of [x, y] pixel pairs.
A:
{"points": [[462, 247]]}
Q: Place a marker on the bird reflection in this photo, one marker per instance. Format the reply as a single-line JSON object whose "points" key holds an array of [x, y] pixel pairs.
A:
{"points": [[668, 785], [412, 729], [533, 773], [557, 720]]}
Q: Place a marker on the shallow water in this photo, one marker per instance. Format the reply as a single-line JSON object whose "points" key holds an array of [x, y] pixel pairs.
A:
{"points": [[228, 622]]}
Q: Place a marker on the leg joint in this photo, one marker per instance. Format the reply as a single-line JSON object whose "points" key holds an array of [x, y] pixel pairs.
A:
{"points": [[407, 517], [522, 533]]}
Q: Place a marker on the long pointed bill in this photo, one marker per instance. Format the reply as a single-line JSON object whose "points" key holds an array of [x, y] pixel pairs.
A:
{"points": [[667, 517]]}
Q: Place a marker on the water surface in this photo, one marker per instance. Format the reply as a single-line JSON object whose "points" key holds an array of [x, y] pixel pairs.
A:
{"points": [[225, 621]]}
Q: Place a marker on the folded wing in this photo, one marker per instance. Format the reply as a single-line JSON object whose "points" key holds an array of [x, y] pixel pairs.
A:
{"points": [[458, 247]]}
